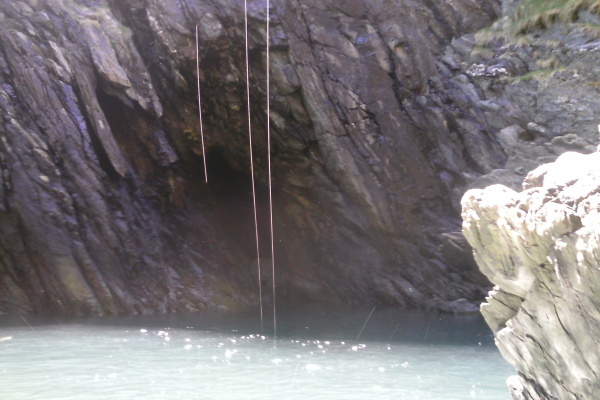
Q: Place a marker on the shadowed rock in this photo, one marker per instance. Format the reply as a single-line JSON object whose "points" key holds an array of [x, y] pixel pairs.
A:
{"points": [[102, 204]]}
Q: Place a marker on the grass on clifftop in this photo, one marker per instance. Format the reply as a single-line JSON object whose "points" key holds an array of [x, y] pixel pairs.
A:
{"points": [[535, 14]]}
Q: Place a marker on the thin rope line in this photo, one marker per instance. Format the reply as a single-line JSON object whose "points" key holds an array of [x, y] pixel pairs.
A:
{"points": [[269, 166], [365, 324], [28, 324], [252, 165], [200, 105]]}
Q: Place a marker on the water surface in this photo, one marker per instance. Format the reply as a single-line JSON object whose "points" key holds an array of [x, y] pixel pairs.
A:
{"points": [[318, 354]]}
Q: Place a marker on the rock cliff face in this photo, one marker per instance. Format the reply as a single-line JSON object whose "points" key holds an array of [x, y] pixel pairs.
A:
{"points": [[103, 208], [541, 247], [540, 84]]}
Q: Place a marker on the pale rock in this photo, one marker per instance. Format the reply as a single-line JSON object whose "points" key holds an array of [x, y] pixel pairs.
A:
{"points": [[509, 137], [537, 129], [541, 247]]}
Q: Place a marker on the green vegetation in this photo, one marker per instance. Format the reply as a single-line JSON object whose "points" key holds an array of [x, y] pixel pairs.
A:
{"points": [[487, 36], [530, 15], [517, 31], [536, 14], [549, 63], [591, 29], [532, 75], [482, 52]]}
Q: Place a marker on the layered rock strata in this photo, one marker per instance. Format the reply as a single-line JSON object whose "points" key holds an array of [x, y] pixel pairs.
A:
{"points": [[102, 204], [541, 247]]}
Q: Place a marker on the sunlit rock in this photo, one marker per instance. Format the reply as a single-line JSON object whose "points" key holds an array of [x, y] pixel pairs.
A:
{"points": [[541, 247]]}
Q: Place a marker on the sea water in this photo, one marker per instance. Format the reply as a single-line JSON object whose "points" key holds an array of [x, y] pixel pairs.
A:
{"points": [[334, 353]]}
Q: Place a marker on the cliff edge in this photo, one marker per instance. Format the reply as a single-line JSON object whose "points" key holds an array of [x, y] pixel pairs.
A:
{"points": [[541, 248]]}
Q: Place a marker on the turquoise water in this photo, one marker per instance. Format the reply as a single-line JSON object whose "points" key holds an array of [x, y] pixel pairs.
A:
{"points": [[318, 354]]}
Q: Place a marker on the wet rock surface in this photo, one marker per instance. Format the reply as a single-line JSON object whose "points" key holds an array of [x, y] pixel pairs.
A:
{"points": [[103, 208], [541, 248]]}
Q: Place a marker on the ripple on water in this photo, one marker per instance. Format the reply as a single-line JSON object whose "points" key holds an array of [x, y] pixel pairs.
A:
{"points": [[91, 361]]}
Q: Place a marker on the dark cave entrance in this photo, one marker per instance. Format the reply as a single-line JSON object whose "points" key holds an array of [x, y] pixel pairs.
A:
{"points": [[228, 201]]}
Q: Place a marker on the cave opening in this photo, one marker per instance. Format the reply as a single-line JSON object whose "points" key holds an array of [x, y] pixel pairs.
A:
{"points": [[227, 199], [227, 202], [224, 203]]}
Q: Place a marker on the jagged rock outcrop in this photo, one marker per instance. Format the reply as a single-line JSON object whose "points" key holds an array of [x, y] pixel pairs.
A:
{"points": [[539, 81], [541, 247], [102, 204]]}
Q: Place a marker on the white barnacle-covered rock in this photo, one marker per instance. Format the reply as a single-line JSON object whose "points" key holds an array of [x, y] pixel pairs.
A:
{"points": [[541, 248]]}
